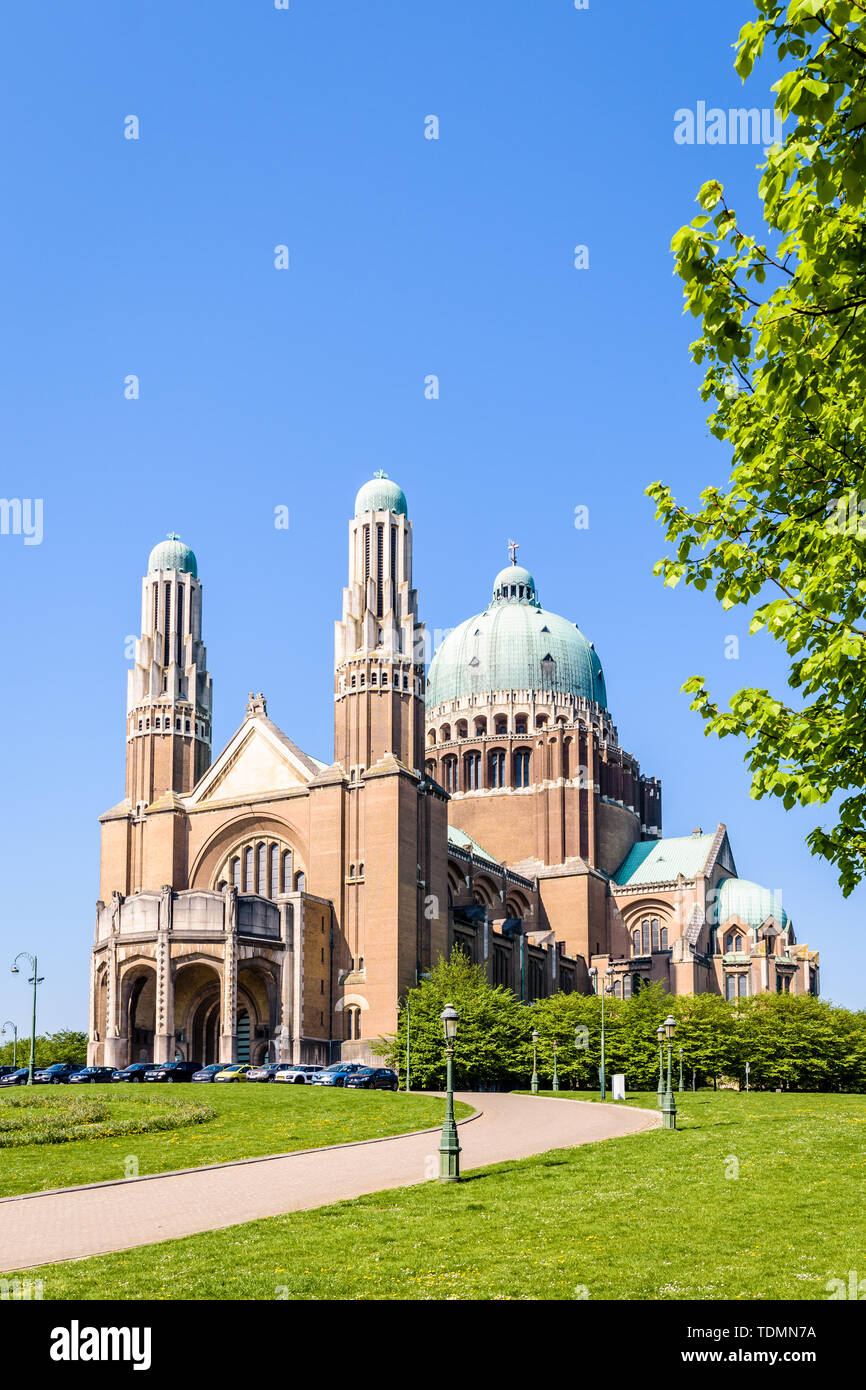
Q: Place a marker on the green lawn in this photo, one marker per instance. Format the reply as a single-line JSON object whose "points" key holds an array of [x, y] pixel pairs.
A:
{"points": [[651, 1216], [252, 1119]]}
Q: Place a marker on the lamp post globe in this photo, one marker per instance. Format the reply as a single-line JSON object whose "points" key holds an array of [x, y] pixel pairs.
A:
{"points": [[533, 1085], [35, 979], [449, 1146]]}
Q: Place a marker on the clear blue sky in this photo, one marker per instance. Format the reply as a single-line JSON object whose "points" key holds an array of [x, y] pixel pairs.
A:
{"points": [[261, 388]]}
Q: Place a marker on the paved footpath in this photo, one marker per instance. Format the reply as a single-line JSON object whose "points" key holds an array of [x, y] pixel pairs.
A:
{"points": [[72, 1224]]}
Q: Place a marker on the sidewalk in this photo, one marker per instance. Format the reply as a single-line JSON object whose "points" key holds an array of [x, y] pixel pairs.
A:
{"points": [[73, 1224]]}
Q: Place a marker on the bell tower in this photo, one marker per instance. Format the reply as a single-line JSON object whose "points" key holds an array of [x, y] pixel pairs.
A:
{"points": [[168, 706], [379, 642]]}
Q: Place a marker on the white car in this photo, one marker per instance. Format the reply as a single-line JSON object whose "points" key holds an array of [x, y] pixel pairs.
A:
{"points": [[300, 1075]]}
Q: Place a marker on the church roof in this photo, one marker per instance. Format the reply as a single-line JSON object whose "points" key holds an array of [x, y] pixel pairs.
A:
{"points": [[172, 554], [661, 861], [380, 494], [466, 842], [750, 902], [515, 644]]}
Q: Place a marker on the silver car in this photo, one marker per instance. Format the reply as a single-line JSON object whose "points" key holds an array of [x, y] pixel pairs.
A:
{"points": [[299, 1075]]}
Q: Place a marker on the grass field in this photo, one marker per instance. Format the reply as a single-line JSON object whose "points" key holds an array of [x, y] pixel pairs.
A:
{"points": [[251, 1120], [657, 1215]]}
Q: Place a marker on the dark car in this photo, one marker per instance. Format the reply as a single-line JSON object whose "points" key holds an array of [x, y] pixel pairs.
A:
{"points": [[17, 1077], [134, 1072], [172, 1071], [93, 1075], [57, 1074], [374, 1079], [336, 1074], [4, 1071], [208, 1073]]}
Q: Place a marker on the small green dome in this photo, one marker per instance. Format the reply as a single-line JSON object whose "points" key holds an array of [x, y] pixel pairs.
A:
{"points": [[172, 554], [380, 495], [739, 897], [515, 644]]}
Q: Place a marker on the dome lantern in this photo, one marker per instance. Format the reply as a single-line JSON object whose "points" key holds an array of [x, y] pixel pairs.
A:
{"points": [[380, 494]]}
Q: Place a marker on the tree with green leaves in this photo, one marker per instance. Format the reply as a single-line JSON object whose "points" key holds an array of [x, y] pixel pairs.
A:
{"points": [[783, 342], [492, 1035]]}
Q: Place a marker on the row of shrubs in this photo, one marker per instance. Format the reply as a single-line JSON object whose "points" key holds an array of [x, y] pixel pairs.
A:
{"points": [[796, 1043]]}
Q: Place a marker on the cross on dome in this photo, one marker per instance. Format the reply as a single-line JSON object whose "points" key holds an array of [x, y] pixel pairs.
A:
{"points": [[513, 547], [380, 473]]}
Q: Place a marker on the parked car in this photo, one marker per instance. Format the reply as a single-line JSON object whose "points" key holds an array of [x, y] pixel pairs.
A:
{"points": [[268, 1071], [236, 1072], [299, 1074], [17, 1077], [173, 1071], [209, 1072], [336, 1074], [374, 1079], [57, 1074], [134, 1072], [4, 1071], [93, 1075]]}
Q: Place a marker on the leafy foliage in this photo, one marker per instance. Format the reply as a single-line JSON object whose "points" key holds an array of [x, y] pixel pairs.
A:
{"points": [[67, 1045], [792, 1042], [783, 340]]}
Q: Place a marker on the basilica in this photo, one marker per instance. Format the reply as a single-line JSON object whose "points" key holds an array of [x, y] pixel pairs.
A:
{"points": [[265, 904]]}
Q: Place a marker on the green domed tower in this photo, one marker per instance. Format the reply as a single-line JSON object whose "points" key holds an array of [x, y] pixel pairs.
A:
{"points": [[168, 722]]}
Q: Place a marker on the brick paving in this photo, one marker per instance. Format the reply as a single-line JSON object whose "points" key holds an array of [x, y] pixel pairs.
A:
{"points": [[78, 1222]]}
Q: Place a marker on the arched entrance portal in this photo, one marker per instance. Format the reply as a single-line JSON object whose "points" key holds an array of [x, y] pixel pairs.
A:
{"points": [[138, 1012]]}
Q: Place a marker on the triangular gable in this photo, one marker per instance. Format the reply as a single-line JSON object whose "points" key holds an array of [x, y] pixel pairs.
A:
{"points": [[257, 760]]}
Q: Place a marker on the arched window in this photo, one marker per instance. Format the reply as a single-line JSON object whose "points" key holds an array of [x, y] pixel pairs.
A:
{"points": [[566, 757], [287, 871], [500, 725], [430, 767], [480, 726], [249, 870], [637, 941], [262, 866], [462, 728], [521, 767], [472, 772], [664, 941], [730, 987], [275, 871], [738, 944], [445, 733], [450, 769], [743, 986], [496, 768], [520, 724], [655, 927], [729, 941], [645, 936], [300, 881], [626, 985], [617, 989]]}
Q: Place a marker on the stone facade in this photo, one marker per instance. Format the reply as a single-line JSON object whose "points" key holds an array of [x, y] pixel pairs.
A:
{"points": [[267, 904]]}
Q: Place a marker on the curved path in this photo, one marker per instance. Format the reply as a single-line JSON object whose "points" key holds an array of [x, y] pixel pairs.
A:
{"points": [[72, 1224]]}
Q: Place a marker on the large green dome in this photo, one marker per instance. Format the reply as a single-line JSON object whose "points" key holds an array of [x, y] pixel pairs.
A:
{"points": [[380, 495], [739, 897], [172, 554], [515, 644]]}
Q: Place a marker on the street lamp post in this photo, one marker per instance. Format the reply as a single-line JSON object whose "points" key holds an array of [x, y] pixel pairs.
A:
{"points": [[660, 1034], [555, 1072], [9, 1024], [36, 979], [605, 989], [449, 1147], [681, 1068], [669, 1108], [534, 1081]]}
